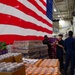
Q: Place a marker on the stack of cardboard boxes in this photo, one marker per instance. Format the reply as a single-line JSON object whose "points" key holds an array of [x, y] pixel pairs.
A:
{"points": [[11, 57], [31, 49], [44, 67], [11, 64], [12, 68], [42, 71]]}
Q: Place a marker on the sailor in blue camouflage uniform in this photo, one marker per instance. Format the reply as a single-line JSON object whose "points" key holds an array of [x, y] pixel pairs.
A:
{"points": [[70, 53]]}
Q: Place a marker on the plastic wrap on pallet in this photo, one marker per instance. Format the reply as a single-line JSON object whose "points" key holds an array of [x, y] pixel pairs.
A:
{"points": [[30, 49]]}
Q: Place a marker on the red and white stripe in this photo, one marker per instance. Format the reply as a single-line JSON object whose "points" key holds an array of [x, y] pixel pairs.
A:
{"points": [[23, 20]]}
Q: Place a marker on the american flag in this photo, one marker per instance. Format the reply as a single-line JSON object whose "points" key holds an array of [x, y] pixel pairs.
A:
{"points": [[25, 19]]}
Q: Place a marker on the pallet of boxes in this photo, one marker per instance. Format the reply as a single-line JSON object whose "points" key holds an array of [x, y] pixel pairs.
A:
{"points": [[27, 66], [31, 49], [11, 64], [44, 67], [11, 57]]}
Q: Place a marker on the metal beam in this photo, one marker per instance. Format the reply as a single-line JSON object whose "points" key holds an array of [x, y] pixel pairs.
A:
{"points": [[57, 8], [68, 8]]}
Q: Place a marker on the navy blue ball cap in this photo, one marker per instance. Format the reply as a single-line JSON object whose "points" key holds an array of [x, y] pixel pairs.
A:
{"points": [[60, 35]]}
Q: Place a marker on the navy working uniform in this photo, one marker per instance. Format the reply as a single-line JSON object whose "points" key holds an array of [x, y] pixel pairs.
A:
{"points": [[59, 52], [70, 54]]}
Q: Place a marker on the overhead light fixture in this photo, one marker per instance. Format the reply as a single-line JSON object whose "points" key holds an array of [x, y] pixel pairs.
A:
{"points": [[55, 10], [58, 15]]}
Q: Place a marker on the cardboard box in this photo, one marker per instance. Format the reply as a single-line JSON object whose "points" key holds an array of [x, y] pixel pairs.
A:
{"points": [[10, 59], [18, 58], [20, 71], [13, 58]]}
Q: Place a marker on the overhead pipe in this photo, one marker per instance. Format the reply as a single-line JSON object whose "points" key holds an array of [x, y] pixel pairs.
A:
{"points": [[68, 9]]}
